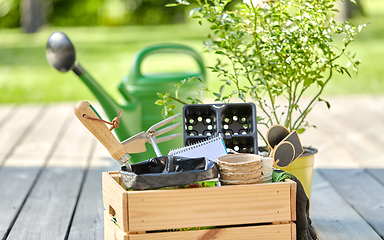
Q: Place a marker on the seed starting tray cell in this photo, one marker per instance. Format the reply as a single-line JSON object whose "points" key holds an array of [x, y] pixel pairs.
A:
{"points": [[236, 122]]}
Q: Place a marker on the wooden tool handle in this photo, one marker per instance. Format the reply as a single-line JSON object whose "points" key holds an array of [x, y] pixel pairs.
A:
{"points": [[99, 129]]}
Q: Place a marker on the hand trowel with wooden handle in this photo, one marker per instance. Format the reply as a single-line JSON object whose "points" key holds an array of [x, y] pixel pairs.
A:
{"points": [[102, 133]]}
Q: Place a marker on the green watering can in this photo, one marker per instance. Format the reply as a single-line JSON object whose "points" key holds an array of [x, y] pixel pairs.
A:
{"points": [[138, 90]]}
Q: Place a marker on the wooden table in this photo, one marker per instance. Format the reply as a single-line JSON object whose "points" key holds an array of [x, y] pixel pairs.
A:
{"points": [[50, 172]]}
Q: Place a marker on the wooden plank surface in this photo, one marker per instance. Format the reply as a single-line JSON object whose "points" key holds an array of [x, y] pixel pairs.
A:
{"points": [[377, 173], [16, 127], [88, 222], [4, 111], [22, 167], [350, 124], [360, 131], [350, 139], [48, 211], [333, 217], [363, 192]]}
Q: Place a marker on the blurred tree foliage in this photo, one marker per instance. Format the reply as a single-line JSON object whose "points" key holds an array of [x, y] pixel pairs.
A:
{"points": [[152, 12], [96, 12], [9, 13], [73, 12]]}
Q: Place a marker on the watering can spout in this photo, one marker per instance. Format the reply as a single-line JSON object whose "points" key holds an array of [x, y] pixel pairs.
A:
{"points": [[61, 55]]}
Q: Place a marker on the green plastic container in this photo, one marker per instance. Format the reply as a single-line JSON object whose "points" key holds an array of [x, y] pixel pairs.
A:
{"points": [[143, 88]]}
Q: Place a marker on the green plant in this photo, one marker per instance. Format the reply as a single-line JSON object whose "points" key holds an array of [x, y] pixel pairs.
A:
{"points": [[166, 99], [276, 49]]}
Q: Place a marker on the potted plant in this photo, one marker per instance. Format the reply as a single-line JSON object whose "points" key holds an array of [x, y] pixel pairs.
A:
{"points": [[274, 53]]}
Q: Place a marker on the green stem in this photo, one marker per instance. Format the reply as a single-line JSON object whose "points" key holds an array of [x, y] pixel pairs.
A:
{"points": [[341, 52], [265, 111], [262, 136], [262, 64], [177, 99], [257, 98], [291, 106], [297, 124]]}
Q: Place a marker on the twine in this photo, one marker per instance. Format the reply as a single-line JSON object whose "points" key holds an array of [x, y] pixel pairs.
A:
{"points": [[115, 122]]}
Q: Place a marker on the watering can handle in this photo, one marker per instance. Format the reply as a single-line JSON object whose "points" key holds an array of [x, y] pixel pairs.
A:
{"points": [[99, 130], [135, 71]]}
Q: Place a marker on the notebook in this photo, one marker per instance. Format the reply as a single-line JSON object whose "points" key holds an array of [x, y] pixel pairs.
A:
{"points": [[211, 149]]}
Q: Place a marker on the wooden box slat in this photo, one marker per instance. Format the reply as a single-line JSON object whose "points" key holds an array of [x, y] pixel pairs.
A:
{"points": [[111, 231], [265, 232], [227, 205]]}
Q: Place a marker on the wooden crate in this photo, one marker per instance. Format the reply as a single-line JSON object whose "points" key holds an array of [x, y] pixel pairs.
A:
{"points": [[263, 211]]}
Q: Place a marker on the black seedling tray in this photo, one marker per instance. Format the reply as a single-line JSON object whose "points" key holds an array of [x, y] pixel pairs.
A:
{"points": [[236, 122]]}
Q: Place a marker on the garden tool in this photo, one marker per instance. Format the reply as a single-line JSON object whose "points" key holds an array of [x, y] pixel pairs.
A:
{"points": [[134, 144], [137, 142], [286, 146], [83, 110], [138, 90]]}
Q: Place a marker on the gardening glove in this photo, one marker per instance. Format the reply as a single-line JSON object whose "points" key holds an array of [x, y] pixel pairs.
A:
{"points": [[304, 230]]}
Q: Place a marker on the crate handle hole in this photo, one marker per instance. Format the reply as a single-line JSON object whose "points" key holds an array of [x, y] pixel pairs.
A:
{"points": [[112, 211]]}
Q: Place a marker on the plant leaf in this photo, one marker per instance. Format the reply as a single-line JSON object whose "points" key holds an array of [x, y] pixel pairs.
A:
{"points": [[171, 106], [193, 11], [159, 102], [172, 5], [300, 130], [326, 102], [184, 2], [320, 83], [307, 82]]}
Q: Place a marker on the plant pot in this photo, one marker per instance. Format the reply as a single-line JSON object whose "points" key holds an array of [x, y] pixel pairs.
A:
{"points": [[242, 168], [302, 168]]}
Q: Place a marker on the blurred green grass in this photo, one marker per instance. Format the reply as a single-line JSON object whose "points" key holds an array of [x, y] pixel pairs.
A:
{"points": [[107, 52], [368, 48]]}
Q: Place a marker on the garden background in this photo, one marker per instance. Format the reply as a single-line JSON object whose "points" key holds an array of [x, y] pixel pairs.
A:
{"points": [[107, 34]]}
